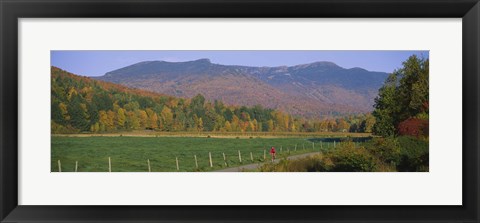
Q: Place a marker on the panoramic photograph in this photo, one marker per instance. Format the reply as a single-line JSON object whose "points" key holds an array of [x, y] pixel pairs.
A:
{"points": [[239, 111]]}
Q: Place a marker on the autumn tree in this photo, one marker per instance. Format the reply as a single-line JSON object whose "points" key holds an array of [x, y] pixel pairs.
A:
{"points": [[102, 120], [198, 123], [270, 125], [121, 118], [228, 126], [110, 125], [83, 104], [143, 119], [167, 118], [235, 123], [342, 125], [132, 121]]}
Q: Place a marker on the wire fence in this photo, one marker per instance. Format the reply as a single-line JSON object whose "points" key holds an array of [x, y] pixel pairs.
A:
{"points": [[208, 161]]}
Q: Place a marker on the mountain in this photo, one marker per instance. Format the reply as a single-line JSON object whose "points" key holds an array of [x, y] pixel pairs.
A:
{"points": [[311, 90], [82, 104]]}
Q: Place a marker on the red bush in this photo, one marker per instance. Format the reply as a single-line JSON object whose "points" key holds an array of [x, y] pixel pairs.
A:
{"points": [[413, 127]]}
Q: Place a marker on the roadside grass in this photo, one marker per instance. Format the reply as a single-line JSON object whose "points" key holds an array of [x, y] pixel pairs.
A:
{"points": [[401, 154]]}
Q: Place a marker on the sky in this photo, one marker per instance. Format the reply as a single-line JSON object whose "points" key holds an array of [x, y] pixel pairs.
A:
{"points": [[99, 62]]}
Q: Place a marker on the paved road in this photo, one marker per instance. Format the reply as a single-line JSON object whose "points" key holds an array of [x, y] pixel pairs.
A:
{"points": [[256, 165]]}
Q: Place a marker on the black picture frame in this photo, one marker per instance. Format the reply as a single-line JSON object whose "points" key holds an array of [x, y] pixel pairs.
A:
{"points": [[11, 11]]}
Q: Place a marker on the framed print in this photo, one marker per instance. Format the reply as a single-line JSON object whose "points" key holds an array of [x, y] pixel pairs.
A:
{"points": [[239, 111]]}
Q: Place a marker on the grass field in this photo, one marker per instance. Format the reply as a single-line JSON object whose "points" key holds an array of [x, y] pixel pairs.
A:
{"points": [[130, 154]]}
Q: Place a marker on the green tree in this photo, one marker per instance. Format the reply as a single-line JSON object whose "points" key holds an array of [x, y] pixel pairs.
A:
{"points": [[413, 89], [386, 108], [367, 124], [197, 105], [78, 113], [92, 113], [57, 115], [404, 95], [180, 120]]}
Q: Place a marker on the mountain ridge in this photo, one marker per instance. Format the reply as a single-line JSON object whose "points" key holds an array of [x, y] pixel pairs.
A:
{"points": [[312, 89]]}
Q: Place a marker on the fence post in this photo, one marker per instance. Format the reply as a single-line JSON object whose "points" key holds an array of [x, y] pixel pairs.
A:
{"points": [[334, 144], [251, 156], [239, 156], [148, 162], [196, 162], [59, 166], [264, 155], [109, 165], [176, 160], [76, 166], [210, 157], [224, 159]]}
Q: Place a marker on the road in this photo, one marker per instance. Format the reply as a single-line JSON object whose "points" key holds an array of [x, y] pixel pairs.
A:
{"points": [[256, 165]]}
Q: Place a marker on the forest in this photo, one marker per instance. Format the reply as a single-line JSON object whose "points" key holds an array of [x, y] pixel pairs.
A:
{"points": [[83, 105]]}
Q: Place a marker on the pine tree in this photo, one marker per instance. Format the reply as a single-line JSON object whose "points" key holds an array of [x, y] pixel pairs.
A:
{"points": [[78, 115]]}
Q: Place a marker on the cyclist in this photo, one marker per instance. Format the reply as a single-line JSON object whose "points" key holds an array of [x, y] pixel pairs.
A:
{"points": [[272, 152]]}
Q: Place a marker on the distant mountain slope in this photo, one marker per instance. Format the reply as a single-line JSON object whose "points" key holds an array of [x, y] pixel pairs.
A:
{"points": [[314, 89], [82, 104]]}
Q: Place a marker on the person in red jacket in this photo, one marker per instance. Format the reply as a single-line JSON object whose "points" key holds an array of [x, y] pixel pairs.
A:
{"points": [[272, 152]]}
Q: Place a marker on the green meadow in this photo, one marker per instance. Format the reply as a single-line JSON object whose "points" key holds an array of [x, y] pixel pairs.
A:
{"points": [[130, 154]]}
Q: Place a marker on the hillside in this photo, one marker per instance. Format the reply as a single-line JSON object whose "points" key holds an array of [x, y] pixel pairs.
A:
{"points": [[83, 104], [310, 90]]}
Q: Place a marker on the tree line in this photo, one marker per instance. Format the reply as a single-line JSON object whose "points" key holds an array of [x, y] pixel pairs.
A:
{"points": [[81, 104], [402, 103]]}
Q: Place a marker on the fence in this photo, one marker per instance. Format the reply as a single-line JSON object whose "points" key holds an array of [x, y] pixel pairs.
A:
{"points": [[220, 160]]}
